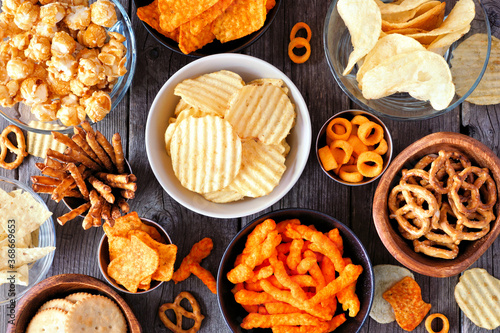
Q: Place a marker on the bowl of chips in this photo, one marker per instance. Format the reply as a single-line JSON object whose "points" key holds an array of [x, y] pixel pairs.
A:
{"points": [[454, 226], [92, 87], [401, 67], [208, 27], [151, 238], [51, 306], [250, 297], [352, 153], [288, 153], [26, 225]]}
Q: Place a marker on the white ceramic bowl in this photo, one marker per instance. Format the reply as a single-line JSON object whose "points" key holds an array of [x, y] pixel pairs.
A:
{"points": [[249, 68]]}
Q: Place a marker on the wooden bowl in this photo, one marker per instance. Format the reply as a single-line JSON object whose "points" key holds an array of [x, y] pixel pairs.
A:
{"points": [[400, 248], [59, 286]]}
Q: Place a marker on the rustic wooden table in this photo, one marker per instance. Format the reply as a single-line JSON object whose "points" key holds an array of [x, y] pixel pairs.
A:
{"points": [[77, 249]]}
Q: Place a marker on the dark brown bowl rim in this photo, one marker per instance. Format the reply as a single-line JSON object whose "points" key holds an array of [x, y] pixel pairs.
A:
{"points": [[393, 241], [76, 283], [103, 260], [320, 138]]}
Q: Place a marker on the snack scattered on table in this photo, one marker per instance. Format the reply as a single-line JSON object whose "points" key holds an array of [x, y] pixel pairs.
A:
{"points": [[93, 313], [60, 60], [191, 264], [444, 319], [195, 24], [6, 144], [38, 144], [354, 148], [180, 312], [465, 64], [442, 201], [20, 218], [91, 169], [478, 294], [278, 262], [385, 277], [389, 61], [137, 253], [405, 298], [228, 139], [299, 42]]}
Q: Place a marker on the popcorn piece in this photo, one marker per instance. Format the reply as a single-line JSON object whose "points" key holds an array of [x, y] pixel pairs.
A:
{"points": [[113, 66], [7, 51], [4, 76], [34, 90], [87, 54], [45, 30], [26, 15], [78, 87], [97, 106], [40, 72], [19, 69], [90, 71], [52, 13], [78, 17], [93, 36], [71, 113], [21, 41], [46, 111], [115, 45], [63, 44], [38, 49], [103, 13], [8, 94], [63, 67], [58, 87]]}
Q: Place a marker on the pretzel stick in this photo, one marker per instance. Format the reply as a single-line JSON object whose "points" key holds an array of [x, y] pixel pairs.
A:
{"points": [[115, 212], [52, 163], [123, 205], [80, 141], [39, 188], [86, 126], [117, 147], [106, 211], [40, 166], [108, 147], [97, 222], [66, 140], [77, 176], [73, 213], [58, 156], [51, 172], [45, 180], [67, 183], [73, 194], [102, 188], [127, 194], [101, 154], [121, 178], [77, 157], [125, 186]]}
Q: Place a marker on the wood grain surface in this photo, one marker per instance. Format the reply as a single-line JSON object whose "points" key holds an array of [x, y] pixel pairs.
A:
{"points": [[77, 249]]}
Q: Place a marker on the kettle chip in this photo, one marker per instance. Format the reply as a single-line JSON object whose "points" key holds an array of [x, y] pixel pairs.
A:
{"points": [[96, 314], [261, 112], [210, 92], [49, 320], [478, 294], [206, 153]]}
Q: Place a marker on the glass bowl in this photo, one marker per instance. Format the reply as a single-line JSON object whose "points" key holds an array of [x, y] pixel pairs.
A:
{"points": [[20, 115], [400, 106], [46, 237]]}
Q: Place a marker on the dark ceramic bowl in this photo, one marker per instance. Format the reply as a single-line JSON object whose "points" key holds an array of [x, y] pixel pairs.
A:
{"points": [[233, 313], [349, 114], [60, 286], [215, 46], [103, 257]]}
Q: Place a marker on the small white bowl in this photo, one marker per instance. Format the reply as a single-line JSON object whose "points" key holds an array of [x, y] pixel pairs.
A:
{"points": [[249, 68]]}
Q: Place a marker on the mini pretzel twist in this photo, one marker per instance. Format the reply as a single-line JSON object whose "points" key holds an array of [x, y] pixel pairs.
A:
{"points": [[446, 161], [19, 150], [181, 312], [430, 248]]}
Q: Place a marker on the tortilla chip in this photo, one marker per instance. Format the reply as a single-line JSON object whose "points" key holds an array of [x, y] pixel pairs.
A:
{"points": [[150, 14], [22, 256], [174, 13], [189, 42], [197, 24]]}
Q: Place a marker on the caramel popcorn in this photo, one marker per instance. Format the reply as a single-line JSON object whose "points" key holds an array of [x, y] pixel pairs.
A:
{"points": [[57, 57]]}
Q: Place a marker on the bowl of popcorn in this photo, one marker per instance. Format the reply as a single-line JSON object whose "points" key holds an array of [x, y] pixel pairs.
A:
{"points": [[64, 63]]}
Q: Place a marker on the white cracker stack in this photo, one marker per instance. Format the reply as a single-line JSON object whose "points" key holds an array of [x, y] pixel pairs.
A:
{"points": [[228, 139]]}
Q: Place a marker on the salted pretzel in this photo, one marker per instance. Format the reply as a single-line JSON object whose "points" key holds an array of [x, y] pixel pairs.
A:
{"points": [[6, 144], [430, 248], [180, 312], [447, 160]]}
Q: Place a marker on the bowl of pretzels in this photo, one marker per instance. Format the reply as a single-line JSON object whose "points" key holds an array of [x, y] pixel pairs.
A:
{"points": [[436, 208]]}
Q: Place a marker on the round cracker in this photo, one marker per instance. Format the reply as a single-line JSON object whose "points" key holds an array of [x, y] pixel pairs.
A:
{"points": [[97, 314], [48, 320], [58, 303], [206, 153], [77, 297], [385, 277]]}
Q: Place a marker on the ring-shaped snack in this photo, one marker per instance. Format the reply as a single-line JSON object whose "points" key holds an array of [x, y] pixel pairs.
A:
{"points": [[367, 137], [299, 42], [370, 164], [6, 144], [327, 159], [444, 319], [382, 147], [297, 27], [331, 129], [359, 119], [341, 150], [358, 147], [350, 173]]}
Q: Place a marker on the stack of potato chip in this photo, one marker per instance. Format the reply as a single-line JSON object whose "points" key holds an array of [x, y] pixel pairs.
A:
{"points": [[193, 24], [228, 139]]}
